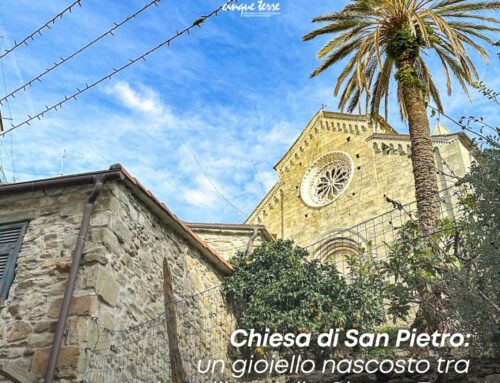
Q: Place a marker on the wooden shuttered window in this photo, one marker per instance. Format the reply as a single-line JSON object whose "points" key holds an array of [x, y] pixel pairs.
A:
{"points": [[11, 236]]}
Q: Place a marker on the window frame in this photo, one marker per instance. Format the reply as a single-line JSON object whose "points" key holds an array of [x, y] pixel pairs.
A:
{"points": [[12, 250]]}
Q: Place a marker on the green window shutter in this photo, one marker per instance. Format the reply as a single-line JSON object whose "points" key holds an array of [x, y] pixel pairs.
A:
{"points": [[11, 236]]}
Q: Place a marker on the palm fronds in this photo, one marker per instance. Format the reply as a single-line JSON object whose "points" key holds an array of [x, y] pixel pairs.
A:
{"points": [[376, 36]]}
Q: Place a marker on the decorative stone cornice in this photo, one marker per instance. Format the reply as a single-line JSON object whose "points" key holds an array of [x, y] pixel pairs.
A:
{"points": [[270, 200], [353, 124], [401, 145], [338, 122]]}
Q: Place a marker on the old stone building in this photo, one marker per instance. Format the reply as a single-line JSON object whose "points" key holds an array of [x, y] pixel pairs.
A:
{"points": [[339, 173], [119, 281]]}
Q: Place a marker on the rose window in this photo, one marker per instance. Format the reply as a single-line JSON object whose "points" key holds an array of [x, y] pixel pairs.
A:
{"points": [[327, 179]]}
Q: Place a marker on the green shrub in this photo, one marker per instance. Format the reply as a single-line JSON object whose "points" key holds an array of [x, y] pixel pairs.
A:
{"points": [[277, 288]]}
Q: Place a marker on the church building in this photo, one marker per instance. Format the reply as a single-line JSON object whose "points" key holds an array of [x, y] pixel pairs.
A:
{"points": [[340, 179]]}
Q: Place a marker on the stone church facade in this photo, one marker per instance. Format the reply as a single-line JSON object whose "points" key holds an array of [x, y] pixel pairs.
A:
{"points": [[341, 170], [337, 173]]}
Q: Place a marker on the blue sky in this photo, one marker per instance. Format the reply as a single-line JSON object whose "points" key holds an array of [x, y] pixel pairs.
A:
{"points": [[201, 123]]}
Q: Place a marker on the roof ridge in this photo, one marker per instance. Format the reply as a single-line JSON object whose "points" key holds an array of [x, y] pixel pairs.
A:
{"points": [[136, 187]]}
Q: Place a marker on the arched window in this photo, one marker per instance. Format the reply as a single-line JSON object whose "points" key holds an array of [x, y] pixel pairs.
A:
{"points": [[337, 246]]}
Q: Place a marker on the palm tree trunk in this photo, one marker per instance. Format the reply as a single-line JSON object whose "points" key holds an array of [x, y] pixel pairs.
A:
{"points": [[422, 155], [426, 186]]}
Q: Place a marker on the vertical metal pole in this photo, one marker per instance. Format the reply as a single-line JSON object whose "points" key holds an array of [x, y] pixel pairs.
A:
{"points": [[70, 284], [178, 373]]}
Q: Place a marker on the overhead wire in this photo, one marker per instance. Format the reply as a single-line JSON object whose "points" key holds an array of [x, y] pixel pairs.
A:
{"points": [[214, 186], [38, 31], [465, 127], [176, 187], [196, 24], [167, 42], [63, 60], [258, 178]]}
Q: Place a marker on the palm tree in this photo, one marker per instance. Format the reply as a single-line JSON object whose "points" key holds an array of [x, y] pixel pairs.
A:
{"points": [[381, 37]]}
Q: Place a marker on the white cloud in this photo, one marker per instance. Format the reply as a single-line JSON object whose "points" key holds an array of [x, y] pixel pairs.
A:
{"points": [[268, 179], [203, 193], [162, 159], [144, 99]]}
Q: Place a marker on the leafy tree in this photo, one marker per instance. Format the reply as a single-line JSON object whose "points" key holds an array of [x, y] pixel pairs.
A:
{"points": [[381, 38], [487, 92], [475, 285], [414, 272], [454, 275], [277, 288]]}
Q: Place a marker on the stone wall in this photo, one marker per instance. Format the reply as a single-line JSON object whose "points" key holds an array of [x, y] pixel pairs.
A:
{"points": [[119, 282], [29, 315], [227, 242], [137, 242]]}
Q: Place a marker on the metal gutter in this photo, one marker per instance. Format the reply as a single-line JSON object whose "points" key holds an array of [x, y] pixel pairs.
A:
{"points": [[118, 172], [231, 227], [65, 181]]}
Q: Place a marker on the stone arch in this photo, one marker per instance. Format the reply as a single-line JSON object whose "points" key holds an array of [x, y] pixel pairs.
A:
{"points": [[337, 246]]}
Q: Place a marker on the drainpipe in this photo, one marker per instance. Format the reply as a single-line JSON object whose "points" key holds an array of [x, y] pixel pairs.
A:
{"points": [[282, 213], [70, 284], [252, 238]]}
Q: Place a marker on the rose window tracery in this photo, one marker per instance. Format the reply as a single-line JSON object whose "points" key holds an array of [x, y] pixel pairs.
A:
{"points": [[327, 179]]}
